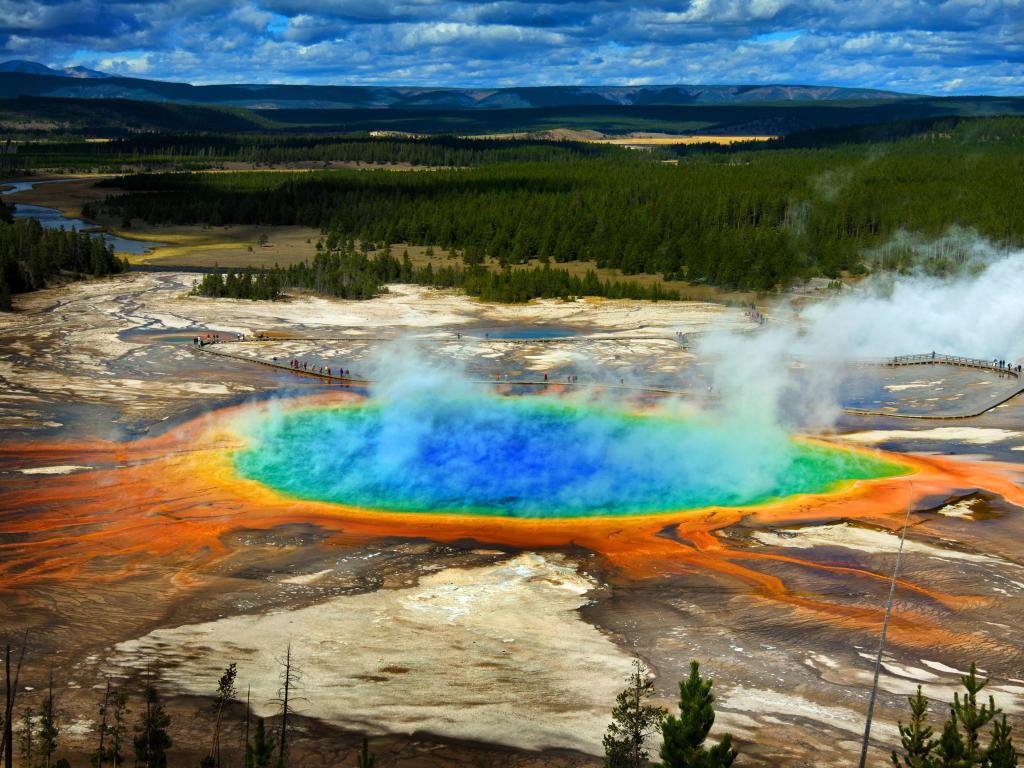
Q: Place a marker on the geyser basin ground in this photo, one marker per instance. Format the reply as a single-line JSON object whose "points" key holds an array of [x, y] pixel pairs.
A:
{"points": [[535, 457]]}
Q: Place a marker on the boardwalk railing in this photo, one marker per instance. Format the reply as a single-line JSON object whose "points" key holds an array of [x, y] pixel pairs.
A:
{"points": [[963, 362]]}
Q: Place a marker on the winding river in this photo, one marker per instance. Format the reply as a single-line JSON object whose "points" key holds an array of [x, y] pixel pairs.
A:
{"points": [[51, 218]]}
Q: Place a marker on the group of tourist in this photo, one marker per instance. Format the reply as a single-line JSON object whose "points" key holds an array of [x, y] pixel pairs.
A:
{"points": [[755, 314], [570, 379], [208, 338], [214, 338], [996, 362], [320, 370]]}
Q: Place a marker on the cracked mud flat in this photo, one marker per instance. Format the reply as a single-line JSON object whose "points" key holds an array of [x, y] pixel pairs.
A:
{"points": [[460, 650]]}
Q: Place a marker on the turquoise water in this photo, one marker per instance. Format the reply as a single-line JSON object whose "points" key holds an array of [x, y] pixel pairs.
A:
{"points": [[522, 333], [532, 458]]}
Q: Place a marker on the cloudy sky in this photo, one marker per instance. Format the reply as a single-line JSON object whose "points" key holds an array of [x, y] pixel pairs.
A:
{"points": [[958, 46]]}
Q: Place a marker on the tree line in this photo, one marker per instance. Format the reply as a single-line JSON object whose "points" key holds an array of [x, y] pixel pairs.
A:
{"points": [[31, 256], [348, 273], [757, 219], [975, 734], [928, 129], [144, 740], [204, 151]]}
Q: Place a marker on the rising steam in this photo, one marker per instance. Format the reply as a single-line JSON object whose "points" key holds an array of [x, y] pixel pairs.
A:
{"points": [[974, 311]]}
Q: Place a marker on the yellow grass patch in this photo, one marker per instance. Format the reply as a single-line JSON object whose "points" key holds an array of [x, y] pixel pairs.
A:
{"points": [[231, 247], [662, 140]]}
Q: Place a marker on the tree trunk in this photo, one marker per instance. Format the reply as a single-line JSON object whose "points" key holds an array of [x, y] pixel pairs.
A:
{"points": [[103, 725], [7, 747]]}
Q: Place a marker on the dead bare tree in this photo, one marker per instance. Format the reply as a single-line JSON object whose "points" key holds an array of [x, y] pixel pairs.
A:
{"points": [[248, 717], [291, 679], [49, 726], [10, 694], [101, 752], [8, 731], [282, 743], [119, 728], [225, 695]]}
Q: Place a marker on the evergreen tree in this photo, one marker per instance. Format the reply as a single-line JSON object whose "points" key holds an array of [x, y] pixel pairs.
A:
{"points": [[683, 737], [48, 728], [916, 738], [632, 721], [365, 758], [27, 738], [260, 753], [1001, 753], [151, 739], [952, 752], [118, 727], [960, 745], [30, 255], [98, 757]]}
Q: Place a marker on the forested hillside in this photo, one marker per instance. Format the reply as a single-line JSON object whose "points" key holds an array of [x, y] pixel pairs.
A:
{"points": [[754, 219]]}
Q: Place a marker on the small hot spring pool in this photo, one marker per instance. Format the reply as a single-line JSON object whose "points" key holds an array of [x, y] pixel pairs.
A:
{"points": [[533, 457], [521, 332]]}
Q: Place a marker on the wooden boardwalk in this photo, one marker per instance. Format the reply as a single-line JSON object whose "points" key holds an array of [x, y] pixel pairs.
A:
{"points": [[360, 383], [963, 362], [933, 358]]}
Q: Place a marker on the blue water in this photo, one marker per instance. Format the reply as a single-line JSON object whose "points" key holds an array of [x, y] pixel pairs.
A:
{"points": [[521, 332], [531, 457]]}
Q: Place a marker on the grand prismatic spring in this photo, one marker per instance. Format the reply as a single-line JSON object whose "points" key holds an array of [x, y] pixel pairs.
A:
{"points": [[533, 457], [440, 553]]}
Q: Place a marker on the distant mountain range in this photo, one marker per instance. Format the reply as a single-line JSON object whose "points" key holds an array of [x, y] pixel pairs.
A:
{"points": [[27, 78], [35, 68]]}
